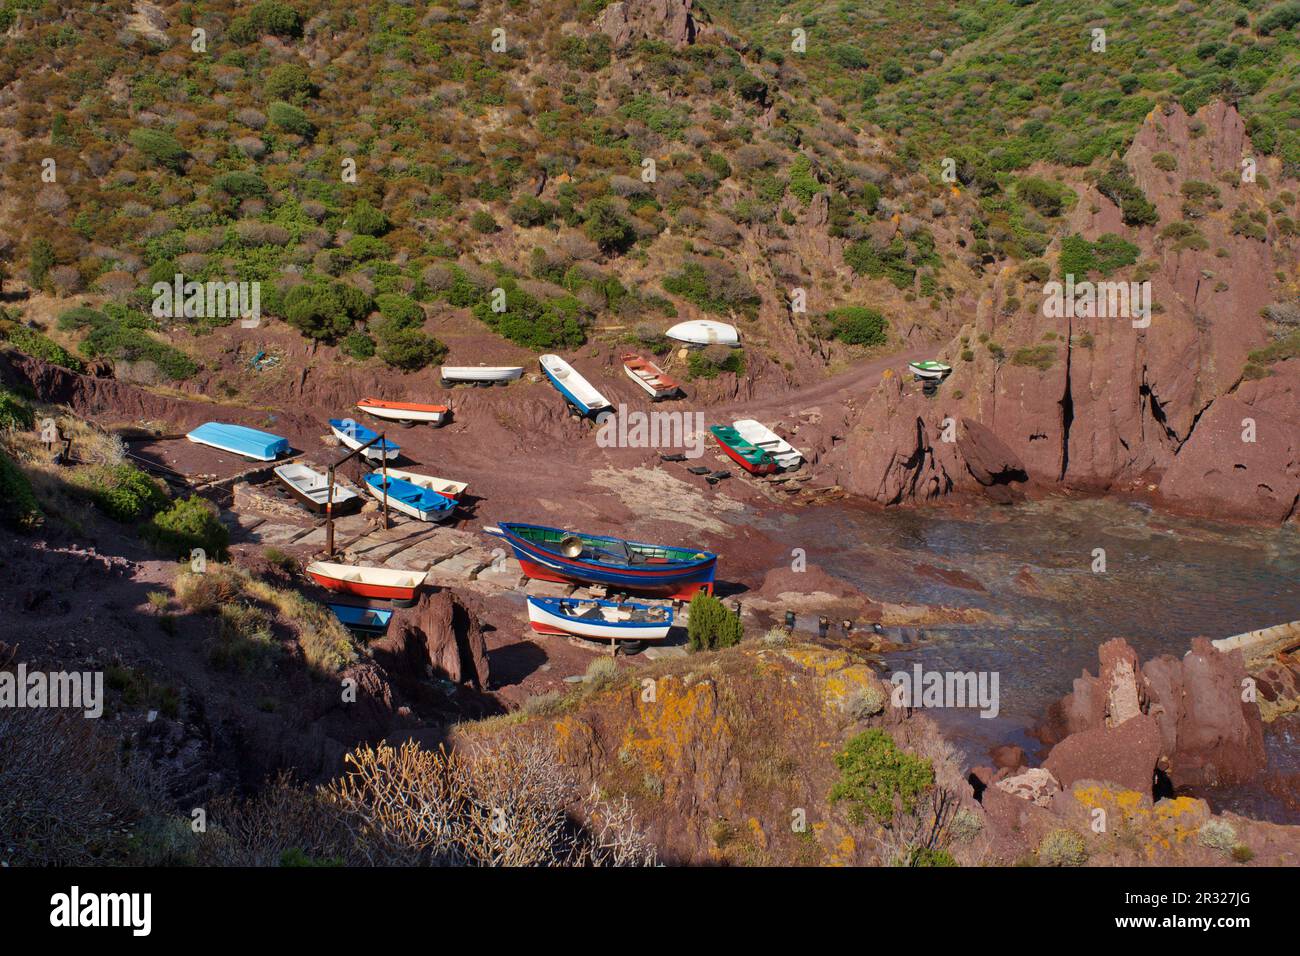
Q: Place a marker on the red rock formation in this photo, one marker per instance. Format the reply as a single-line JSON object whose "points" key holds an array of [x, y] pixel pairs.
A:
{"points": [[438, 637], [1125, 754], [628, 21]]}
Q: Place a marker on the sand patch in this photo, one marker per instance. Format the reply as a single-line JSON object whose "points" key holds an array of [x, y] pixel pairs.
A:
{"points": [[656, 495]]}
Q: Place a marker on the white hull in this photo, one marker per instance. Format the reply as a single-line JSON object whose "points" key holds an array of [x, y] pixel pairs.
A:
{"points": [[930, 374], [403, 415], [704, 332], [437, 517], [232, 451], [573, 384], [759, 435], [594, 628], [481, 373], [313, 484], [374, 452], [652, 385], [375, 577], [443, 486]]}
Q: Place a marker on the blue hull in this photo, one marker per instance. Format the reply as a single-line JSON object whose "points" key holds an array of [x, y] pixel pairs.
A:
{"points": [[569, 396]]}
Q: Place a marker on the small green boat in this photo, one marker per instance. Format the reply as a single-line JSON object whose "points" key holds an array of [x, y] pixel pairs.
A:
{"points": [[753, 459], [929, 369]]}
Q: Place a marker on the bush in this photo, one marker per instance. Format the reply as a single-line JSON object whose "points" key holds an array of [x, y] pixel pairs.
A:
{"points": [[18, 506], [410, 349], [290, 119], [14, 412], [42, 347], [876, 778], [711, 361], [40, 260], [1218, 834], [366, 220], [289, 82], [188, 524], [858, 325], [240, 185], [530, 211], [1062, 847], [123, 492], [532, 323], [482, 222], [159, 147], [713, 285], [122, 334], [359, 345], [606, 226], [712, 625], [325, 311]]}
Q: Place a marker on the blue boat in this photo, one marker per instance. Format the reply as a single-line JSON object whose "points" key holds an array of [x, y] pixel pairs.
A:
{"points": [[354, 436], [577, 391], [239, 440], [423, 504], [362, 619], [550, 554]]}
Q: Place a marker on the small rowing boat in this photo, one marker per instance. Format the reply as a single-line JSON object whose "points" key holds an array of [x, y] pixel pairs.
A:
{"points": [[743, 452], [363, 620], [310, 489], [239, 440], [485, 374], [760, 436], [404, 411], [443, 486], [354, 436], [650, 376], [601, 620], [929, 370], [371, 582], [704, 332], [576, 390], [550, 554], [423, 504]]}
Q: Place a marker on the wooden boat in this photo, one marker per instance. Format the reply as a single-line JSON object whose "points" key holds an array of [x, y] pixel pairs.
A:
{"points": [[354, 436], [550, 554], [239, 440], [489, 374], [929, 370], [760, 436], [576, 390], [310, 488], [404, 411], [650, 376], [704, 332], [364, 620], [422, 504], [369, 582], [743, 452], [443, 486], [601, 620]]}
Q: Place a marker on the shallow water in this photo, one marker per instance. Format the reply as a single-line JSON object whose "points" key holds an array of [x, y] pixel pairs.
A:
{"points": [[1166, 580]]}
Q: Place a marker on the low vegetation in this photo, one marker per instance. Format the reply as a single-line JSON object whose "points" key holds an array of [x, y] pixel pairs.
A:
{"points": [[712, 624]]}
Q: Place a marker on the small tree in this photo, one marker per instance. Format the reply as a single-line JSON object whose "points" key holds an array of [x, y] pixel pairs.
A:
{"points": [[712, 625], [874, 774]]}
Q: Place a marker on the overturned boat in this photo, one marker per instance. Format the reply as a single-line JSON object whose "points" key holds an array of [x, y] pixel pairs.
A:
{"points": [[480, 374], [552, 554], [404, 411], [240, 440]]}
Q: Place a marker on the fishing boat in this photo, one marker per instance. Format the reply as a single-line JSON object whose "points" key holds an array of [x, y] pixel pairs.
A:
{"points": [[354, 436], [704, 332], [249, 442], [550, 554], [485, 374], [602, 620], [650, 376], [929, 370], [745, 453], [423, 504], [760, 436], [576, 390], [370, 582], [310, 489], [404, 411], [443, 486], [364, 620]]}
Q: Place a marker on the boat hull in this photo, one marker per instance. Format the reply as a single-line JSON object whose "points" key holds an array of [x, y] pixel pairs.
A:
{"points": [[416, 511], [765, 467], [385, 592], [486, 373], [651, 378], [240, 440], [374, 452], [930, 374], [544, 619], [406, 412], [582, 395], [345, 501], [678, 581]]}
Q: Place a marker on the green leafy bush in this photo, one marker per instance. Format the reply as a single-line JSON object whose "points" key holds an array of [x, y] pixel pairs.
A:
{"points": [[712, 624], [858, 325], [40, 346], [290, 119], [19, 509], [1062, 847], [532, 323], [410, 349], [325, 311], [876, 777], [711, 361], [160, 147], [14, 412], [123, 492], [188, 524]]}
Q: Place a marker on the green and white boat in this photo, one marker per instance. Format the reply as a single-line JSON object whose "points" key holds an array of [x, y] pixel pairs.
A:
{"points": [[929, 370]]}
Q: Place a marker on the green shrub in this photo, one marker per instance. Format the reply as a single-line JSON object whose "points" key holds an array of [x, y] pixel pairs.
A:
{"points": [[323, 310], [876, 778], [482, 222], [532, 323], [410, 349], [289, 82], [123, 492], [14, 412], [712, 625], [159, 147], [1062, 847], [858, 325], [290, 119], [39, 346], [713, 285], [240, 185], [366, 220], [40, 260], [711, 361], [188, 524], [606, 227], [358, 344], [19, 509], [123, 334]]}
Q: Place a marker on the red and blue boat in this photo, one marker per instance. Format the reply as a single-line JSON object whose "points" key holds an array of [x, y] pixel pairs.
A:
{"points": [[550, 554]]}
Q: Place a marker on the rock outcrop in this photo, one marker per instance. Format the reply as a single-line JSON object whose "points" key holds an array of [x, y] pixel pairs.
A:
{"points": [[626, 22], [438, 637]]}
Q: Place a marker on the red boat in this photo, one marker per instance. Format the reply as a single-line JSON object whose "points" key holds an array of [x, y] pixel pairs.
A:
{"points": [[650, 376], [368, 582]]}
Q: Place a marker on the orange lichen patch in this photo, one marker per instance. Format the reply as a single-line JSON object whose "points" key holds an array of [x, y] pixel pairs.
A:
{"points": [[756, 828], [841, 675], [665, 728], [1160, 826], [844, 851]]}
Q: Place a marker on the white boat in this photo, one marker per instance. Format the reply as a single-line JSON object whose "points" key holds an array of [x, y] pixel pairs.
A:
{"points": [[704, 332], [404, 411], [602, 620], [443, 486], [481, 373], [650, 376], [367, 581], [929, 370], [354, 436], [311, 489], [422, 504], [580, 393], [760, 436]]}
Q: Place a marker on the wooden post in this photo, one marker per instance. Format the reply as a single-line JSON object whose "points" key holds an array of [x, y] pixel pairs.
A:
{"points": [[383, 440], [329, 514]]}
